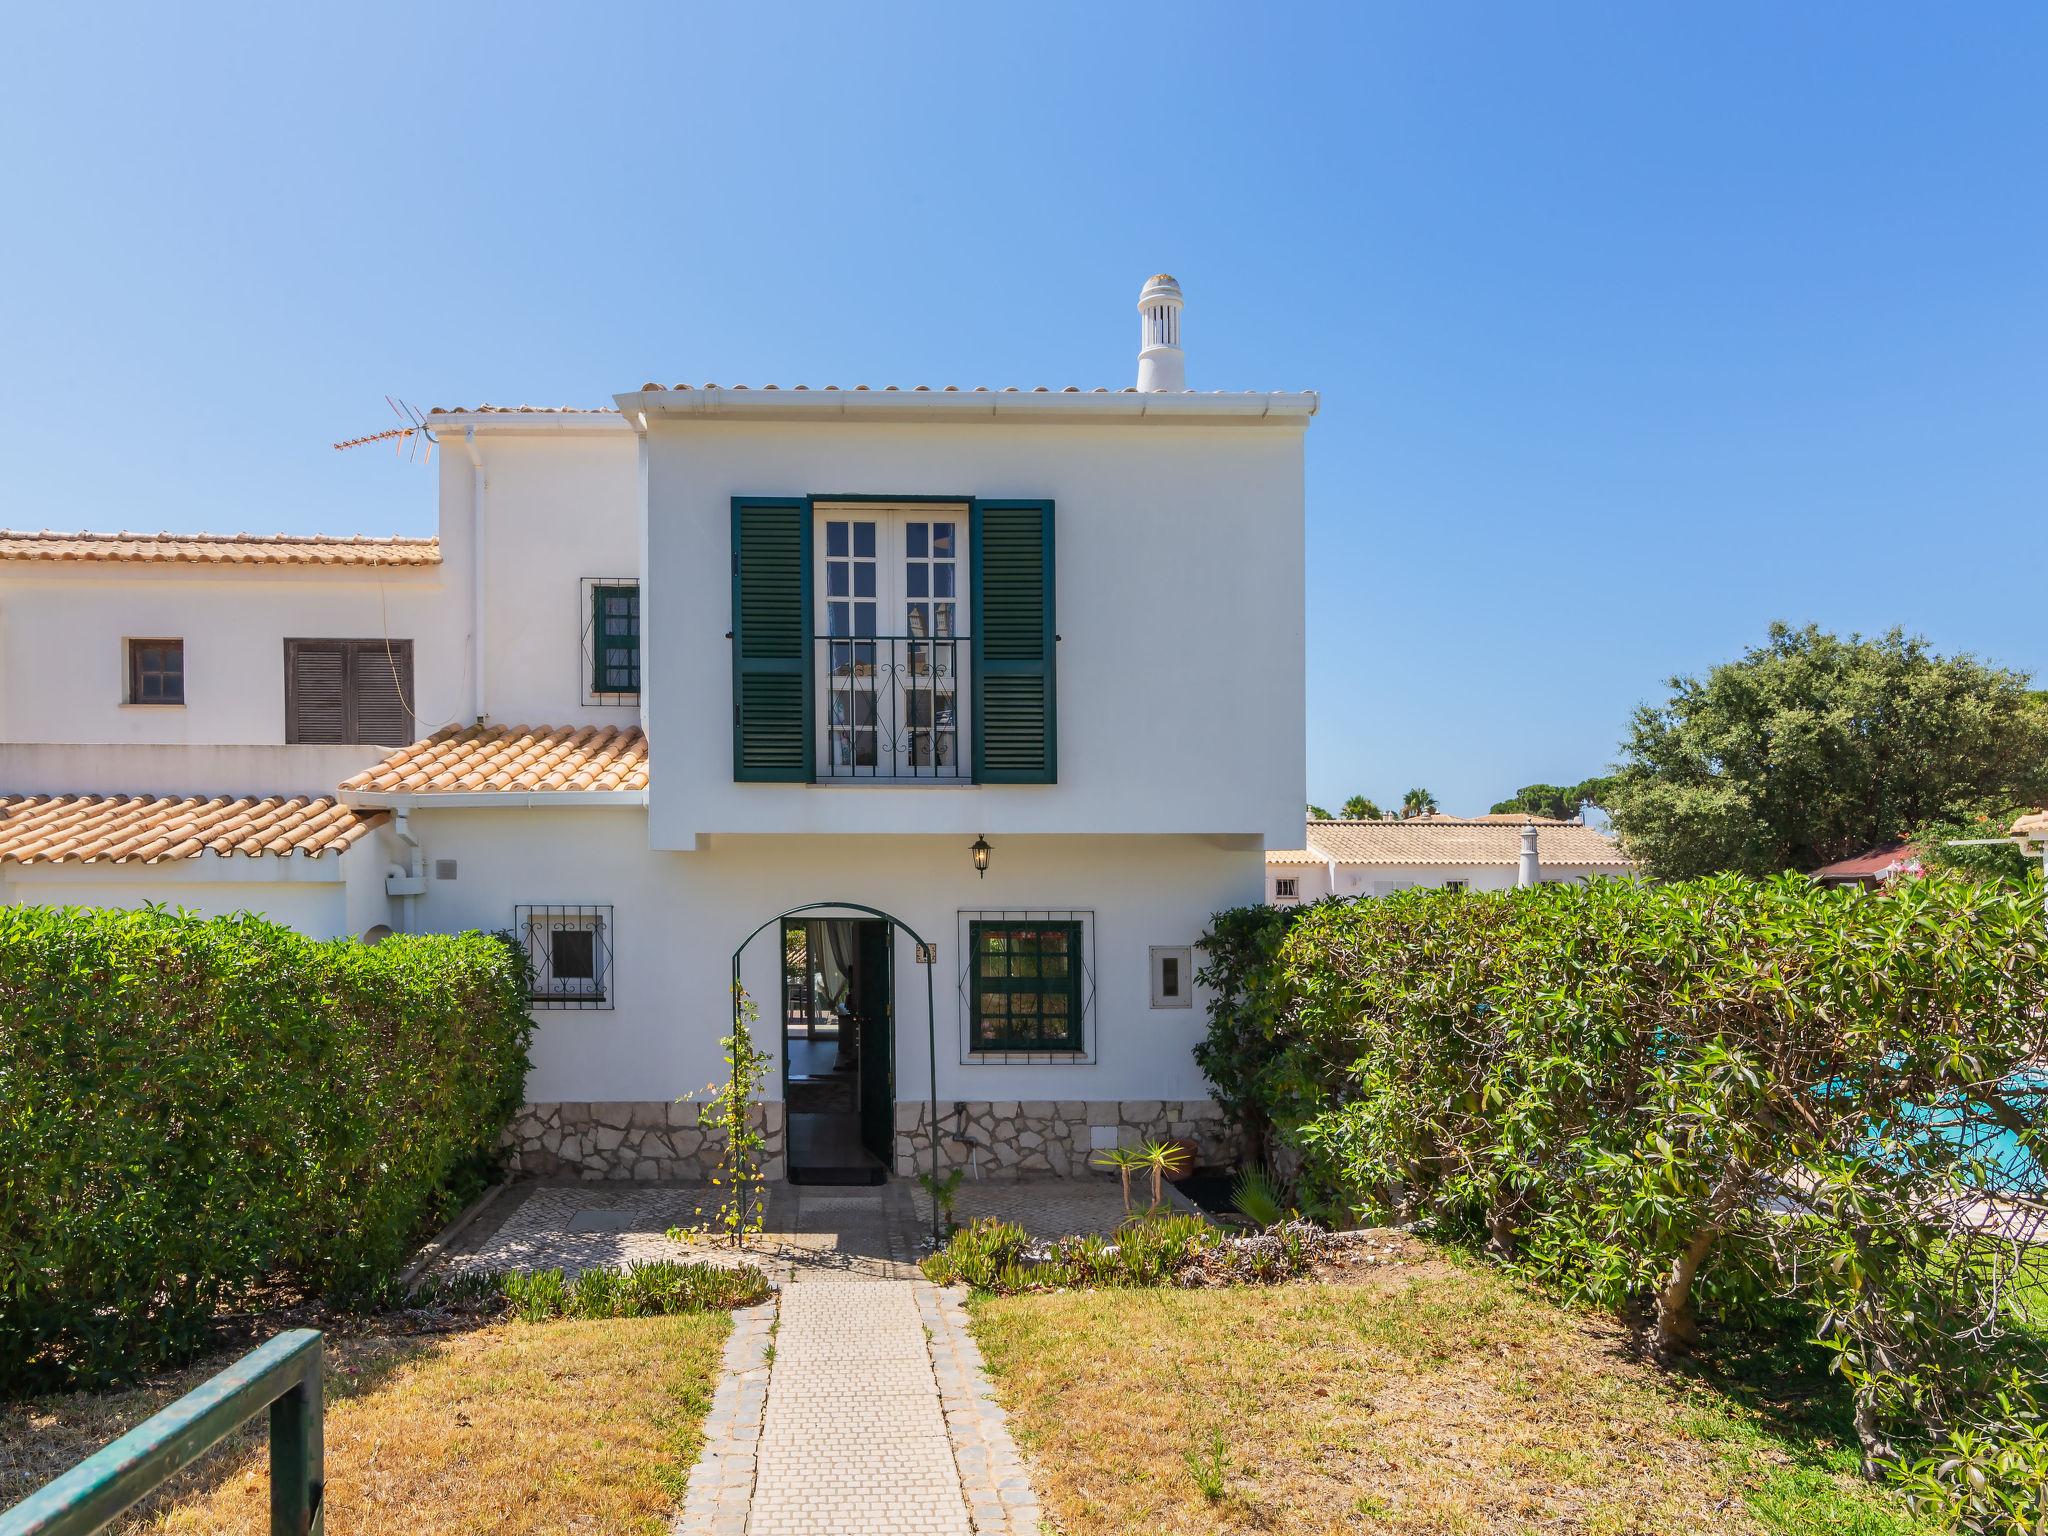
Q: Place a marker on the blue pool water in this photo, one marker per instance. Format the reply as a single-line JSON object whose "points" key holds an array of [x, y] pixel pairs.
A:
{"points": [[2010, 1166]]}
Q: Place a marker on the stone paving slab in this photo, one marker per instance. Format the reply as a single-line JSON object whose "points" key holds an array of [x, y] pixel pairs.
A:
{"points": [[1042, 1207], [854, 1439]]}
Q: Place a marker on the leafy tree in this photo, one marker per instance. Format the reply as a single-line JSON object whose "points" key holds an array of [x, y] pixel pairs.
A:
{"points": [[1560, 802], [1417, 802], [1317, 813], [1812, 748], [1977, 857], [1358, 808]]}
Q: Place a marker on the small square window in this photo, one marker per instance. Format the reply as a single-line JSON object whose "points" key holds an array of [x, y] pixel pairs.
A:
{"points": [[156, 671], [1454, 885], [1173, 976], [570, 950], [1285, 888]]}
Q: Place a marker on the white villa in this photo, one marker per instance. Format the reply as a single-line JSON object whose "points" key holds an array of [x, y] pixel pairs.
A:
{"points": [[1479, 853], [917, 687]]}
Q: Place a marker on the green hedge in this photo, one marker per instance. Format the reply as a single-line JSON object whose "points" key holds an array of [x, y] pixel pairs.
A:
{"points": [[1701, 1097], [192, 1108]]}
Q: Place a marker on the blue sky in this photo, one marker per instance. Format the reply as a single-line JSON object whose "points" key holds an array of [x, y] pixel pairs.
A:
{"points": [[1637, 327]]}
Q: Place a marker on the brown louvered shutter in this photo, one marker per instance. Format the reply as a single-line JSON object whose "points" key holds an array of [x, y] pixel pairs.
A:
{"points": [[316, 692], [348, 692], [381, 690], [1016, 740]]}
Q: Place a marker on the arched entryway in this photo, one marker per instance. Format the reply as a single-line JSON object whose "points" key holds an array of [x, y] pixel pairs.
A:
{"points": [[842, 1058]]}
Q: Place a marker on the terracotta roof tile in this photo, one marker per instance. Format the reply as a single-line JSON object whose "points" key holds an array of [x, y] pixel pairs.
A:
{"points": [[1879, 863], [512, 759], [1452, 840], [524, 410], [219, 548], [122, 829], [653, 388]]}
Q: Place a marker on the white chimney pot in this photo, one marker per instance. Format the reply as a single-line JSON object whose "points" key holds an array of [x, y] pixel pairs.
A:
{"points": [[1161, 363], [1530, 870]]}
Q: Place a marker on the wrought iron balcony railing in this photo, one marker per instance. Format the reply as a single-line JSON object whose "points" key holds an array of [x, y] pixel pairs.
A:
{"points": [[892, 707]]}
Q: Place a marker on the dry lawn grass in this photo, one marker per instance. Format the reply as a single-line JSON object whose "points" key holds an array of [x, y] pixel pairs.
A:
{"points": [[1421, 1397], [515, 1428]]}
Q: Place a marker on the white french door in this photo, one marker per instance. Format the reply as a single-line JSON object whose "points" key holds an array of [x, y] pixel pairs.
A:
{"points": [[892, 624]]}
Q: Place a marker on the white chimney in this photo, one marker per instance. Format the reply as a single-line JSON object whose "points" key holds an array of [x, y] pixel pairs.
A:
{"points": [[1161, 363], [1530, 871]]}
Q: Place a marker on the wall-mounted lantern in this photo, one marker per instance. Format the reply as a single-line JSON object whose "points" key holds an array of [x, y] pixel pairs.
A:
{"points": [[981, 851]]}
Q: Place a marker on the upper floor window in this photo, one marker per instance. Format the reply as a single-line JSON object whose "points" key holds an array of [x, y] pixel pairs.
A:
{"points": [[339, 692], [1286, 887], [611, 640], [893, 640], [156, 671], [891, 629]]}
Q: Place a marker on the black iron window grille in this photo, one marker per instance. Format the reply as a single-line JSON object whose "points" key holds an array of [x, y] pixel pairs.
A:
{"points": [[570, 949], [1027, 986], [611, 640], [892, 706]]}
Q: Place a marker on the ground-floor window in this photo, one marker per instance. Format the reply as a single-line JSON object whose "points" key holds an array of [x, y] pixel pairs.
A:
{"points": [[570, 949], [1025, 987]]}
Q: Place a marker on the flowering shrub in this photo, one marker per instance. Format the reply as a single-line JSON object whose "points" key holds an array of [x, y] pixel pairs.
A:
{"points": [[191, 1107]]}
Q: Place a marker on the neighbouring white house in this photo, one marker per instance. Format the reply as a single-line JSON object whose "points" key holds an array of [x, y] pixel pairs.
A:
{"points": [[907, 696], [1478, 853]]}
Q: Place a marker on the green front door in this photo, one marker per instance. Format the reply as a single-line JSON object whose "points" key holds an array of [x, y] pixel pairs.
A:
{"points": [[878, 1040]]}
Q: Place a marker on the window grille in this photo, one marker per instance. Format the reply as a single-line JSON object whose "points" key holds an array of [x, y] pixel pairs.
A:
{"points": [[611, 640], [1284, 888], [1027, 986], [570, 949]]}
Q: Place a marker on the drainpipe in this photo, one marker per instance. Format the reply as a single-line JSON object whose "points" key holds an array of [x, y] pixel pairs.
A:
{"points": [[407, 883], [1530, 871], [477, 485]]}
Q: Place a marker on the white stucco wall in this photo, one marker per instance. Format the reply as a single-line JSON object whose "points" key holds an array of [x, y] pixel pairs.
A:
{"points": [[63, 660], [334, 896], [559, 506], [1179, 600], [1385, 879], [678, 916]]}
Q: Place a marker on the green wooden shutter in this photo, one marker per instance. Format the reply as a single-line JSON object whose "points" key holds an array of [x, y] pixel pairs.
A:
{"points": [[771, 640], [1015, 740], [614, 639]]}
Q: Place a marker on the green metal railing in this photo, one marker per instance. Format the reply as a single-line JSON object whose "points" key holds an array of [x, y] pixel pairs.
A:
{"points": [[283, 1376]]}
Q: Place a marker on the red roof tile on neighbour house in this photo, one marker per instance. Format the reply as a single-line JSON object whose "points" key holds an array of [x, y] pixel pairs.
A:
{"points": [[220, 548], [147, 829], [512, 759], [1880, 863], [1454, 840]]}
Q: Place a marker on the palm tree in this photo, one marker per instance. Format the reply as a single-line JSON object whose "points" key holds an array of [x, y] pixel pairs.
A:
{"points": [[1358, 808], [1417, 802]]}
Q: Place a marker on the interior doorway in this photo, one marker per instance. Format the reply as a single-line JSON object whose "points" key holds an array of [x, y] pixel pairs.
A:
{"points": [[838, 1048]]}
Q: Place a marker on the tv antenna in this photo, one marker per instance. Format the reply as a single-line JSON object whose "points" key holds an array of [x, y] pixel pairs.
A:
{"points": [[411, 438]]}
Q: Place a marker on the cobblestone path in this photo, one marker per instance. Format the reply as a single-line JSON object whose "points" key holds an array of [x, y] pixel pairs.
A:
{"points": [[855, 1403]]}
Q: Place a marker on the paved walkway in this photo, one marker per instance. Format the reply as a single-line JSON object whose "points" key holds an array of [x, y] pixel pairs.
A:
{"points": [[854, 1402]]}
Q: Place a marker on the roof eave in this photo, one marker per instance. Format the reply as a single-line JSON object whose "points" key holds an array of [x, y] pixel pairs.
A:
{"points": [[494, 799], [1244, 408]]}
